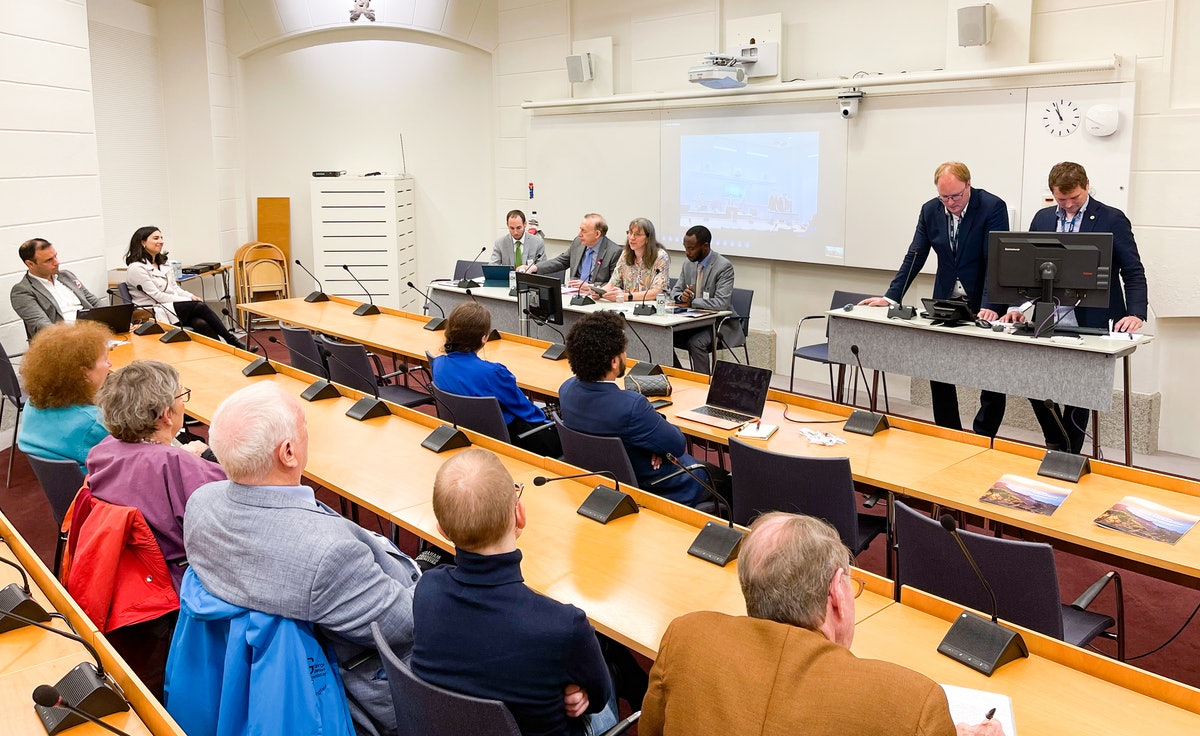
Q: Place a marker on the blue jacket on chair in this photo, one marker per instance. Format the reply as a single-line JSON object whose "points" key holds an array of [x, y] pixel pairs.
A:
{"points": [[233, 671]]}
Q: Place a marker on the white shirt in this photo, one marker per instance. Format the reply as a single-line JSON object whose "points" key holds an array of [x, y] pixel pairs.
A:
{"points": [[68, 303]]}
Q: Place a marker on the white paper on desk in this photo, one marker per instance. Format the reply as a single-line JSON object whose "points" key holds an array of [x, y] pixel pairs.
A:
{"points": [[970, 706]]}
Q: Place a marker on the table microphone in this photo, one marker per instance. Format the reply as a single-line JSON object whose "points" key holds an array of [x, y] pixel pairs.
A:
{"points": [[716, 543], [16, 599], [642, 368], [145, 328], [175, 334], [1063, 465], [865, 422], [644, 309], [443, 437], [47, 696], [318, 295], [899, 311], [975, 641], [603, 504], [369, 307], [259, 366], [318, 389], [466, 283], [558, 350], [434, 323], [368, 407]]}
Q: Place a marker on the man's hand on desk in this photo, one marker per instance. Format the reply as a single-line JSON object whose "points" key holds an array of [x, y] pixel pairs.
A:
{"points": [[1128, 324], [530, 268], [989, 315], [1013, 316], [875, 301], [987, 728], [576, 701]]}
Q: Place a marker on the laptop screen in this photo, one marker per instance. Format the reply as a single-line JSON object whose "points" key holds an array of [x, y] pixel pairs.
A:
{"points": [[740, 388]]}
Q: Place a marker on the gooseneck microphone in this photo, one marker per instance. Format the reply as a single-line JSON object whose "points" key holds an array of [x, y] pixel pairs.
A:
{"points": [[643, 367], [363, 309], [603, 504], [556, 351], [434, 323], [146, 328], [1063, 464], [978, 643], [47, 696], [443, 437], [899, 311], [260, 366], [368, 407], [175, 334], [318, 295], [466, 283], [865, 422], [318, 389], [644, 309], [716, 543]]}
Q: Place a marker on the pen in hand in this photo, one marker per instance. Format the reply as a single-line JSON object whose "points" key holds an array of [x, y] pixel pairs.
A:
{"points": [[989, 715]]}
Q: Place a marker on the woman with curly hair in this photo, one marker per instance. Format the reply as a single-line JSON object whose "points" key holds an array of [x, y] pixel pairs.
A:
{"points": [[65, 364]]}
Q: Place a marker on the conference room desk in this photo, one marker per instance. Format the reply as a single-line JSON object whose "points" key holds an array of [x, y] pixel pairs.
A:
{"points": [[30, 656], [1058, 689]]}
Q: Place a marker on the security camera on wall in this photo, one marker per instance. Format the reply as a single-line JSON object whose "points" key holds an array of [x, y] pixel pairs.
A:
{"points": [[848, 103]]}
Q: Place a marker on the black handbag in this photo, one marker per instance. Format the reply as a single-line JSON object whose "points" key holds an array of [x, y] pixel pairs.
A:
{"points": [[658, 385]]}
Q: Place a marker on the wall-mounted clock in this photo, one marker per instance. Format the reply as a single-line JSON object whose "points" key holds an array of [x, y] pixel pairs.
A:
{"points": [[1061, 118]]}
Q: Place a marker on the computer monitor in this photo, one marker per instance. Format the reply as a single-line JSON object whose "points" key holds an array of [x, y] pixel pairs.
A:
{"points": [[543, 295], [1052, 269]]}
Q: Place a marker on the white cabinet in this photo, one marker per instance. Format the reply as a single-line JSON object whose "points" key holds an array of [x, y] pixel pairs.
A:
{"points": [[370, 225]]}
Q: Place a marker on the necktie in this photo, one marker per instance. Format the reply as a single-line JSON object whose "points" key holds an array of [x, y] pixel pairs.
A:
{"points": [[589, 260], [517, 256], [953, 234], [699, 282]]}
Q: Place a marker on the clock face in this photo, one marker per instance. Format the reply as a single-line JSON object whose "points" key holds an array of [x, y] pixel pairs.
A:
{"points": [[1061, 118]]}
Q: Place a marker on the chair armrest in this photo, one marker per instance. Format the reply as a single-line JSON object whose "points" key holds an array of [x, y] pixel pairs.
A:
{"points": [[796, 339], [623, 726], [1085, 599], [535, 430], [680, 471]]}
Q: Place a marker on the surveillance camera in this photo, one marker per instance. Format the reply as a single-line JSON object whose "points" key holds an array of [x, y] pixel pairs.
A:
{"points": [[848, 103]]}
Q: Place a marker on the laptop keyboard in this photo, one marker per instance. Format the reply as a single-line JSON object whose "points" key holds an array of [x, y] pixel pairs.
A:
{"points": [[725, 414]]}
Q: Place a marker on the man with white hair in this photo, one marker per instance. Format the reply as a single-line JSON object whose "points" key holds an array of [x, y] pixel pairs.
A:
{"points": [[262, 541]]}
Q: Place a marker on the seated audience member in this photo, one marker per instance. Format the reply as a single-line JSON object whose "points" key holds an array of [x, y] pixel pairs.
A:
{"points": [[787, 666], [519, 248], [61, 371], [261, 541], [139, 465], [152, 285], [47, 294], [592, 403], [481, 631], [643, 269], [462, 371], [705, 282]]}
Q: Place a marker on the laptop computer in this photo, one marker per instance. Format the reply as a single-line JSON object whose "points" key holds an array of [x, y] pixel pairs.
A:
{"points": [[496, 275], [736, 395], [118, 317]]}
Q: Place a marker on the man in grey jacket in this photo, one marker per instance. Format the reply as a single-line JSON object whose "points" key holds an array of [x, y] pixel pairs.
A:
{"points": [[47, 294], [532, 247], [262, 541]]}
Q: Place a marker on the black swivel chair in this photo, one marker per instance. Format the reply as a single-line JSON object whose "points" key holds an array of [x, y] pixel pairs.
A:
{"points": [[816, 486], [12, 393], [60, 481], [819, 352], [351, 365], [480, 414], [305, 355], [741, 302], [593, 452], [1022, 574]]}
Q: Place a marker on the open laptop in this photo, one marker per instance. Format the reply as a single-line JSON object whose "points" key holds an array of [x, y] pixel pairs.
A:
{"points": [[118, 317], [736, 395], [496, 275]]}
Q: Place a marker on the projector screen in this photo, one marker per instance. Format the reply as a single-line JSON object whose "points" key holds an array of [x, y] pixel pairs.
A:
{"points": [[768, 185]]}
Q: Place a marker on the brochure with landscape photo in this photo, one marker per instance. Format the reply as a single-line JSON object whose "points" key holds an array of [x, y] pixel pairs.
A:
{"points": [[1025, 494], [1143, 518]]}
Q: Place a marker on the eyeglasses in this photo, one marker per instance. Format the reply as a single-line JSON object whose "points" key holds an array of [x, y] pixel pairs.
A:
{"points": [[953, 197], [187, 394], [858, 584], [519, 488]]}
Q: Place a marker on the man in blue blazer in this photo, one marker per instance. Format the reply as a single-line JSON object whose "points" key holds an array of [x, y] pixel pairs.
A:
{"points": [[592, 403], [590, 258], [955, 225], [1128, 303]]}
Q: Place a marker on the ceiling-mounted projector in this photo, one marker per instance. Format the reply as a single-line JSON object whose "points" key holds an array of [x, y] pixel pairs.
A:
{"points": [[717, 76], [730, 71]]}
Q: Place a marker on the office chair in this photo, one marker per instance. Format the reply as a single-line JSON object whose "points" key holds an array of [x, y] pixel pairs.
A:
{"points": [[12, 393], [740, 301], [60, 481], [353, 368], [819, 352], [304, 353], [480, 414], [593, 452]]}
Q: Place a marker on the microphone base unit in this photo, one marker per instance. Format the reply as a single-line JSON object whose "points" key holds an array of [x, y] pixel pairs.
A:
{"points": [[604, 504], [556, 351], [644, 310], [259, 367], [87, 691], [865, 422], [717, 543], [368, 407], [435, 324], [901, 312], [445, 438], [319, 390], [467, 284], [495, 335], [582, 301], [176, 334], [364, 310], [645, 368], [1064, 466], [982, 644], [149, 328], [316, 296], [14, 599]]}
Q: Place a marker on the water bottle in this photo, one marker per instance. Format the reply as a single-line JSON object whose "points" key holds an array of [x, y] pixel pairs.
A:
{"points": [[660, 304], [512, 280], [176, 269]]}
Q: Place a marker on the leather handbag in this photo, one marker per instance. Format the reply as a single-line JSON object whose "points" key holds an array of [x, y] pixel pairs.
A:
{"points": [[658, 385]]}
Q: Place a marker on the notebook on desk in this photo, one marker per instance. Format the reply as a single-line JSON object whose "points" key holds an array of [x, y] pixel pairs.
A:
{"points": [[736, 395]]}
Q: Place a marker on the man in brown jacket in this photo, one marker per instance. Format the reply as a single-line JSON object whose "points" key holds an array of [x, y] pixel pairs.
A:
{"points": [[787, 667]]}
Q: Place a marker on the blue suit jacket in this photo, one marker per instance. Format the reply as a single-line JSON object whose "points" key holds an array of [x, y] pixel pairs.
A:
{"points": [[985, 212], [603, 408], [1129, 284]]}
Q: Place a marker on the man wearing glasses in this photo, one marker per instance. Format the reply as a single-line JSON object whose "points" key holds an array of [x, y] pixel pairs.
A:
{"points": [[787, 666], [955, 225]]}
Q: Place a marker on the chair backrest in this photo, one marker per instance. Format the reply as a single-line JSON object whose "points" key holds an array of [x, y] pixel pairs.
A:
{"points": [[1022, 574], [841, 299], [9, 385], [468, 270], [123, 290], [741, 301], [60, 481], [477, 413], [349, 365], [305, 355], [423, 709], [816, 486], [593, 452]]}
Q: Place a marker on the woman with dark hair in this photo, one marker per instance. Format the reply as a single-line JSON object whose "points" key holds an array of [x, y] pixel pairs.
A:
{"points": [[462, 371], [643, 269], [153, 286]]}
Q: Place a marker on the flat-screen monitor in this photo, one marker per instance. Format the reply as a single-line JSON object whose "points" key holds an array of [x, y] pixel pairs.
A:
{"points": [[544, 297], [1068, 267]]}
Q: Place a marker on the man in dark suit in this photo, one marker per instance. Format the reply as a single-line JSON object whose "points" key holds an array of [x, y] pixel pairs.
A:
{"points": [[1128, 303], [955, 225], [705, 282], [786, 667], [591, 257], [47, 294]]}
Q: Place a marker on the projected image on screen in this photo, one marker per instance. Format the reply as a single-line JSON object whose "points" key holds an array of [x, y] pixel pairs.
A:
{"points": [[753, 182]]}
